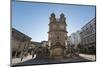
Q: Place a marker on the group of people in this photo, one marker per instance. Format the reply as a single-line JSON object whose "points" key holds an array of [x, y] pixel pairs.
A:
{"points": [[39, 52], [27, 53]]}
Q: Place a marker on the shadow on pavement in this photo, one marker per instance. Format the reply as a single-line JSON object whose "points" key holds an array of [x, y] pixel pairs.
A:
{"points": [[38, 61]]}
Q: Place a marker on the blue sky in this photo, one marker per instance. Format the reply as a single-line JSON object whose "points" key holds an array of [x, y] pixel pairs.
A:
{"points": [[32, 18]]}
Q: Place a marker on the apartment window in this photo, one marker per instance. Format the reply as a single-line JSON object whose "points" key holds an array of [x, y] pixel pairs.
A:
{"points": [[93, 30]]}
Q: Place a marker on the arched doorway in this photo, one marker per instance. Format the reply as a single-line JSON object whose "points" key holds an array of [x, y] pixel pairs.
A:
{"points": [[57, 51]]}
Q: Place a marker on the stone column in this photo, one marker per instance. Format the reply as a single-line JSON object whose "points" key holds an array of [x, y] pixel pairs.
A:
{"points": [[22, 49], [49, 43], [66, 44], [26, 46], [16, 54]]}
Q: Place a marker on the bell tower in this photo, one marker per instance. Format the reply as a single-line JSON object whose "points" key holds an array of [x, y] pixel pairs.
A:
{"points": [[57, 36]]}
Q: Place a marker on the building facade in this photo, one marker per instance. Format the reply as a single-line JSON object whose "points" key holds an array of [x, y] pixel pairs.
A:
{"points": [[19, 43], [88, 36], [57, 36], [74, 39], [44, 44]]}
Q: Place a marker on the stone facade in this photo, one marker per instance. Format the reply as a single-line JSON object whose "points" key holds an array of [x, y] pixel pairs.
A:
{"points": [[19, 43], [57, 36], [88, 36]]}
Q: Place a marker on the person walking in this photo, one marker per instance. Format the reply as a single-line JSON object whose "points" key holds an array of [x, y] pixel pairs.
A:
{"points": [[22, 56], [32, 54]]}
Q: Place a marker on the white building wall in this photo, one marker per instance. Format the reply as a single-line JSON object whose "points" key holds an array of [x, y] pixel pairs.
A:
{"points": [[75, 38]]}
